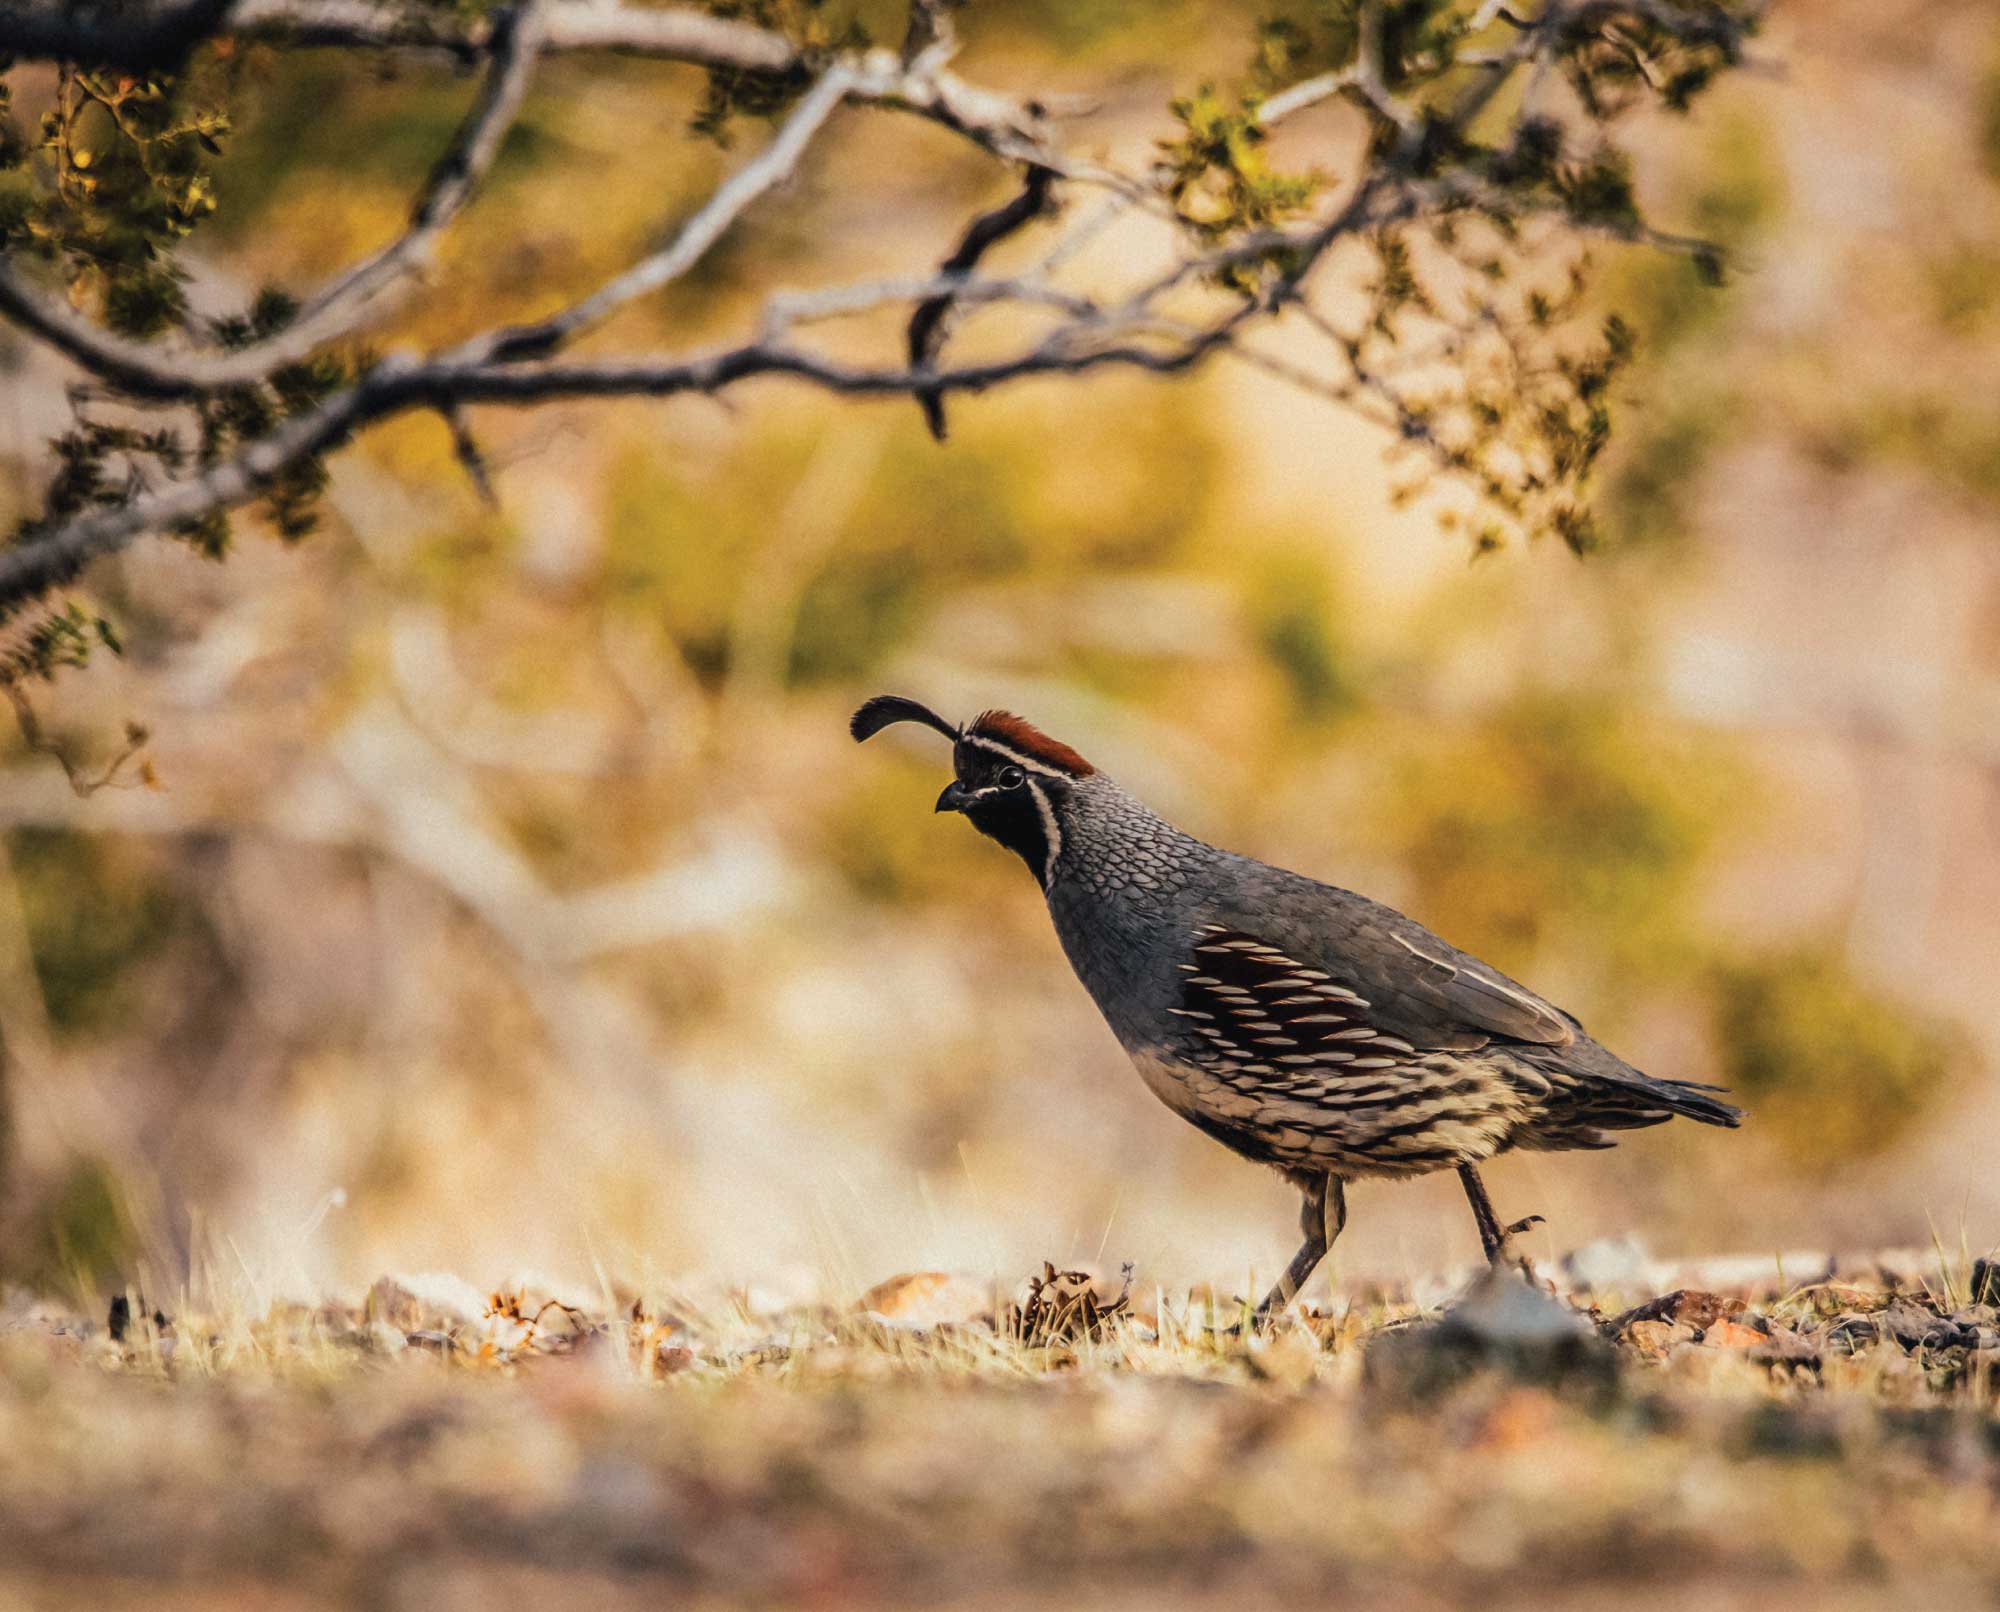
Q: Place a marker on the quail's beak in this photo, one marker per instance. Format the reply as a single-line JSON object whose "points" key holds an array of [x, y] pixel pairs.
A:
{"points": [[955, 798]]}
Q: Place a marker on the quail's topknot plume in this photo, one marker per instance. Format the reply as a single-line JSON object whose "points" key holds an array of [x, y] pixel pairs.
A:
{"points": [[1300, 1024]]}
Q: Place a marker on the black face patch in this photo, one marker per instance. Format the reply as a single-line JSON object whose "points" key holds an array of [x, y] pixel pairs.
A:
{"points": [[1009, 803], [1014, 820]]}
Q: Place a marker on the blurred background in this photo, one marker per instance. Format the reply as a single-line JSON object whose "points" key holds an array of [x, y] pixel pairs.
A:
{"points": [[513, 901]]}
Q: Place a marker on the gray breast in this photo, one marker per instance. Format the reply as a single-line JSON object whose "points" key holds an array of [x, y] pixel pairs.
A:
{"points": [[1128, 891]]}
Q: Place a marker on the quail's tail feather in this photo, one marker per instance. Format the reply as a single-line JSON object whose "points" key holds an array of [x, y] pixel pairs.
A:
{"points": [[1595, 1107], [1630, 1099], [1697, 1101], [1606, 1093]]}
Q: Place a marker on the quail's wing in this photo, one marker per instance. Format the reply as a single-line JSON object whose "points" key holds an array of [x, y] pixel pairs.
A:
{"points": [[1277, 1011], [1434, 989]]}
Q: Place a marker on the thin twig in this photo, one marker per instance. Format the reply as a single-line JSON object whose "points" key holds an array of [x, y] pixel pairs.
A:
{"points": [[1306, 93], [82, 783], [147, 371], [517, 41], [518, 366], [144, 370], [927, 324], [691, 242], [471, 458]]}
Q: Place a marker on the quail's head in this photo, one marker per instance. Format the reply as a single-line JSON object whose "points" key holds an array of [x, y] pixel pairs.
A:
{"points": [[1012, 781]]}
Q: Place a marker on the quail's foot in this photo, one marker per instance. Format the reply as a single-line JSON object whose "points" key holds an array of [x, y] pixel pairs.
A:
{"points": [[1507, 1254]]}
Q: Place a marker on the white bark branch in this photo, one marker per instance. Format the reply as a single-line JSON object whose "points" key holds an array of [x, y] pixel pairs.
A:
{"points": [[771, 166], [515, 38], [138, 35], [145, 370], [518, 366]]}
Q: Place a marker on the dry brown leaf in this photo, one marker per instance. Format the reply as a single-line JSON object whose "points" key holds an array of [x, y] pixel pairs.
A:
{"points": [[1728, 1334], [930, 1299]]}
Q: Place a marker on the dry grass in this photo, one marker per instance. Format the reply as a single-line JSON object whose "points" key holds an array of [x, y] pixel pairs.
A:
{"points": [[1837, 1441]]}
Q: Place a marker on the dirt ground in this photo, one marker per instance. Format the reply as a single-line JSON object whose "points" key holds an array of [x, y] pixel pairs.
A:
{"points": [[942, 1442]]}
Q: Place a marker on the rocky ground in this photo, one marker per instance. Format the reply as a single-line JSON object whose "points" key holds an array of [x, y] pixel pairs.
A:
{"points": [[1832, 1434]]}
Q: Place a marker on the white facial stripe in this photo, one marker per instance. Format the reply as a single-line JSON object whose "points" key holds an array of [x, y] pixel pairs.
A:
{"points": [[1026, 763], [1050, 833]]}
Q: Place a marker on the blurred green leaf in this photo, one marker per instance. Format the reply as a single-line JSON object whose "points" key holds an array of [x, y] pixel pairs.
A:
{"points": [[1833, 1070]]}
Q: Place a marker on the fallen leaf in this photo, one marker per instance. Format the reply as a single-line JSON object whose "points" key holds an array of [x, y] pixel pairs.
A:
{"points": [[1728, 1334], [923, 1299]]}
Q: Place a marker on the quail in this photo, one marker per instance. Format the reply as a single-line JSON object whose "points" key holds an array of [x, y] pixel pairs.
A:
{"points": [[1299, 1024]]}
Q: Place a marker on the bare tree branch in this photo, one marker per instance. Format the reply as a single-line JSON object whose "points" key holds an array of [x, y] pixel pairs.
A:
{"points": [[138, 34], [148, 35], [471, 457], [402, 383], [340, 309], [145, 370], [1256, 269], [1093, 339], [927, 324], [1303, 95], [120, 33], [518, 38], [691, 242]]}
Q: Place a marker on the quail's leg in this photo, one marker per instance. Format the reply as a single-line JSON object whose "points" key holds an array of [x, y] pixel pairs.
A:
{"points": [[1494, 1238], [1321, 1217]]}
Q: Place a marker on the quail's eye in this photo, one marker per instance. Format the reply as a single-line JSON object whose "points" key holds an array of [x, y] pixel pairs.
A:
{"points": [[1010, 778]]}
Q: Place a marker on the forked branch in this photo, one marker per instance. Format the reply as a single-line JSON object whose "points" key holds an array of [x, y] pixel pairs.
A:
{"points": [[1437, 205]]}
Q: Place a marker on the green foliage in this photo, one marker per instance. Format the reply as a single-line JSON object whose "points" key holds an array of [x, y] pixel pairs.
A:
{"points": [[78, 1237], [1553, 819], [117, 175], [1219, 180], [1835, 1071], [1529, 413], [242, 414], [1989, 119], [1636, 56], [61, 637], [812, 25], [95, 912], [1293, 617], [128, 164]]}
